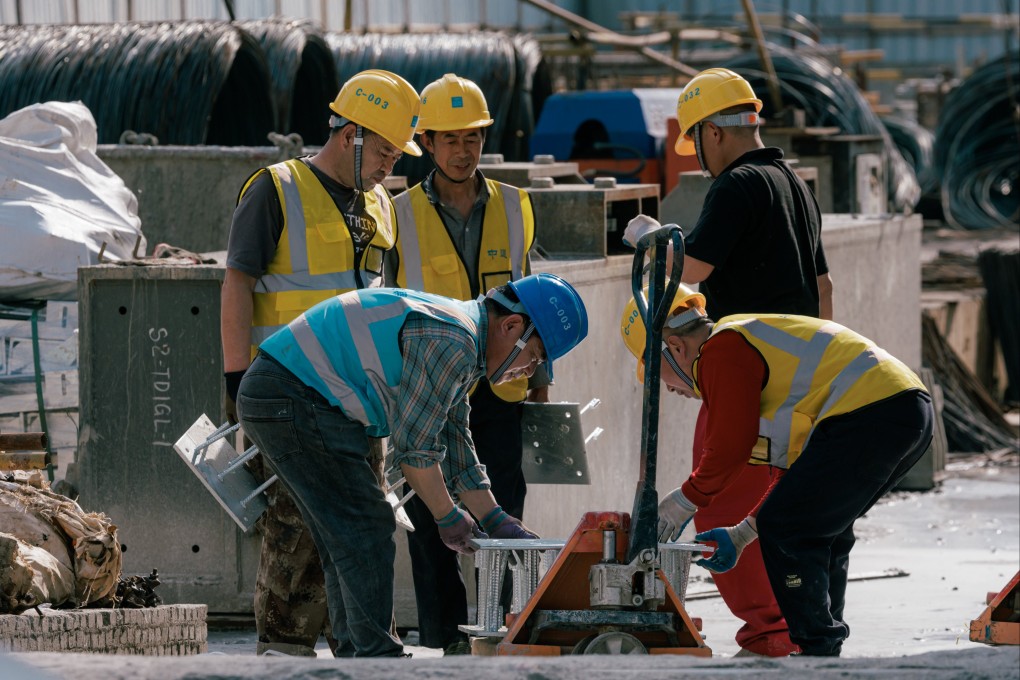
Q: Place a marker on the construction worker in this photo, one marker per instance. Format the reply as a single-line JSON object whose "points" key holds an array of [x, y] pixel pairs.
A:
{"points": [[838, 418], [460, 234], [756, 248], [303, 231], [397, 363]]}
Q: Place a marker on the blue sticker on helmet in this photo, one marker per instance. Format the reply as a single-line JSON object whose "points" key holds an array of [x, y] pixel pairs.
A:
{"points": [[457, 102]]}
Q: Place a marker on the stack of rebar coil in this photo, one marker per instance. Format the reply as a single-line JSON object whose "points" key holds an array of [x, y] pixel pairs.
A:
{"points": [[829, 98], [977, 144], [185, 83], [303, 73], [917, 145], [509, 71]]}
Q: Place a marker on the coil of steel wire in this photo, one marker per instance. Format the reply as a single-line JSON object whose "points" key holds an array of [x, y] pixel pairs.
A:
{"points": [[505, 69], [303, 73], [185, 83], [830, 99], [917, 145], [977, 143]]}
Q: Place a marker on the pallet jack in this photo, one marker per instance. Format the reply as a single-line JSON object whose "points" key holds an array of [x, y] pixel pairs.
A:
{"points": [[606, 592], [999, 624]]}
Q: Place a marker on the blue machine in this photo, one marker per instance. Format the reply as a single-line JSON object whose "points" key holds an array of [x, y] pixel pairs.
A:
{"points": [[611, 124]]}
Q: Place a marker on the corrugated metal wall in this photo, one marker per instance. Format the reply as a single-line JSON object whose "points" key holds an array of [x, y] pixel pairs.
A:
{"points": [[943, 44]]}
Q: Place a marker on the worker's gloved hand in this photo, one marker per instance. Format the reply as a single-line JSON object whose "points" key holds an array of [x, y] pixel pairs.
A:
{"points": [[638, 227], [675, 511], [730, 542], [498, 524], [457, 529]]}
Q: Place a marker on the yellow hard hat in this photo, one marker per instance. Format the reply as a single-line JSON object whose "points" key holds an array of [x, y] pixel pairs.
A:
{"points": [[686, 303], [384, 103], [453, 103], [708, 93]]}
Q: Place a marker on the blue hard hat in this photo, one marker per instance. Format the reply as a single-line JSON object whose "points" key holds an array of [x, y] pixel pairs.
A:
{"points": [[557, 311]]}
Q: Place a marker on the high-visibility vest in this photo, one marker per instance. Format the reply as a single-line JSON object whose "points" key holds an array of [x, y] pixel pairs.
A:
{"points": [[429, 260], [348, 348], [817, 369], [314, 257]]}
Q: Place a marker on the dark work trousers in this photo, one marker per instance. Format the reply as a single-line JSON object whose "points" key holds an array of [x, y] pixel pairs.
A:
{"points": [[438, 583], [806, 524]]}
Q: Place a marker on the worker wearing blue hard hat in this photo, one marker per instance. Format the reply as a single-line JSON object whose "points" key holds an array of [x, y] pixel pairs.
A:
{"points": [[399, 363], [461, 233]]}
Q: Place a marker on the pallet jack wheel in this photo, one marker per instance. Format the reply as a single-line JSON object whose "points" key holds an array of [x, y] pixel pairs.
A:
{"points": [[583, 644], [613, 642]]}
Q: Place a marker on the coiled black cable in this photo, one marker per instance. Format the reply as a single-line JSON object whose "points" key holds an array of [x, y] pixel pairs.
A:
{"points": [[830, 99], [917, 145], [186, 83], [977, 143], [505, 68], [303, 72]]}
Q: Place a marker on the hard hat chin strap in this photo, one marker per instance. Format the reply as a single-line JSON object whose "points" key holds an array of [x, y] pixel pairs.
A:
{"points": [[698, 150], [518, 347], [359, 142], [675, 366]]}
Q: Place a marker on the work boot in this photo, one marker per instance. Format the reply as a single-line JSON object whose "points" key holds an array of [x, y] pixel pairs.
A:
{"points": [[458, 647]]}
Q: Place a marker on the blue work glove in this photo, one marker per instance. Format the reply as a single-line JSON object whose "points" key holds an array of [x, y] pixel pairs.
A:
{"points": [[730, 542], [498, 524], [675, 511], [457, 529]]}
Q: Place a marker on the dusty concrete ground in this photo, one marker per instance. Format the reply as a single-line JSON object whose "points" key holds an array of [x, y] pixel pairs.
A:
{"points": [[955, 543]]}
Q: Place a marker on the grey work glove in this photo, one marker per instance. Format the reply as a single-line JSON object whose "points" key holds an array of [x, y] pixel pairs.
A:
{"points": [[675, 511], [498, 524], [457, 529]]}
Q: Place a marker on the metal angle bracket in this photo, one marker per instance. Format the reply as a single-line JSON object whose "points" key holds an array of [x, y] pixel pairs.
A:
{"points": [[554, 445], [207, 452]]}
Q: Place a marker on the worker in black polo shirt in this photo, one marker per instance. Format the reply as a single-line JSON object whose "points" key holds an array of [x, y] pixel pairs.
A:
{"points": [[756, 248]]}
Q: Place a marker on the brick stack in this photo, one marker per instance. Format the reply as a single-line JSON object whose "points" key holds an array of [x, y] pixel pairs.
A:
{"points": [[167, 630]]}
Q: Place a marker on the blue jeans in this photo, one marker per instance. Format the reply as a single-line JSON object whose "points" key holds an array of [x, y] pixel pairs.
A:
{"points": [[320, 456]]}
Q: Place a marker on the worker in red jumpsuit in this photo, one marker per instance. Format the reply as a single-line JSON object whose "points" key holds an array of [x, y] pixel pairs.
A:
{"points": [[837, 419], [756, 248]]}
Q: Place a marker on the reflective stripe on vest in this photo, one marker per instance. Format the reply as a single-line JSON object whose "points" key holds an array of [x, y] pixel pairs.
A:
{"points": [[421, 229], [832, 370], [306, 270], [347, 353]]}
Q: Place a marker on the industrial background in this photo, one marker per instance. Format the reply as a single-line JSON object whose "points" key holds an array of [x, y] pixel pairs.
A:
{"points": [[901, 116]]}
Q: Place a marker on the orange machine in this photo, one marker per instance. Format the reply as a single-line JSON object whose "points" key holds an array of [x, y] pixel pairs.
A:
{"points": [[559, 617], [607, 593], [999, 624]]}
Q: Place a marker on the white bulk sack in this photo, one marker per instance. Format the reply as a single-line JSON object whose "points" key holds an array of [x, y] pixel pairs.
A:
{"points": [[59, 203]]}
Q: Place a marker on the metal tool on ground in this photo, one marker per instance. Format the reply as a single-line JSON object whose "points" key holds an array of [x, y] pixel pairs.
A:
{"points": [[606, 592], [999, 623], [208, 453]]}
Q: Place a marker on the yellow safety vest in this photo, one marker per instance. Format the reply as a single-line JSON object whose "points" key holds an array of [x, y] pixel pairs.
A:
{"points": [[817, 369], [314, 257], [429, 260]]}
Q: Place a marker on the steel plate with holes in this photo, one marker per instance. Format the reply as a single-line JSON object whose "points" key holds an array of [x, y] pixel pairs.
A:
{"points": [[554, 451], [235, 486]]}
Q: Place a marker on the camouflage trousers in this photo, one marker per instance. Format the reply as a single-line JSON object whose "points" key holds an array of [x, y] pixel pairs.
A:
{"points": [[290, 595]]}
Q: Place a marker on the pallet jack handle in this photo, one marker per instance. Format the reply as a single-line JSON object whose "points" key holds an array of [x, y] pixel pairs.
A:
{"points": [[661, 291]]}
